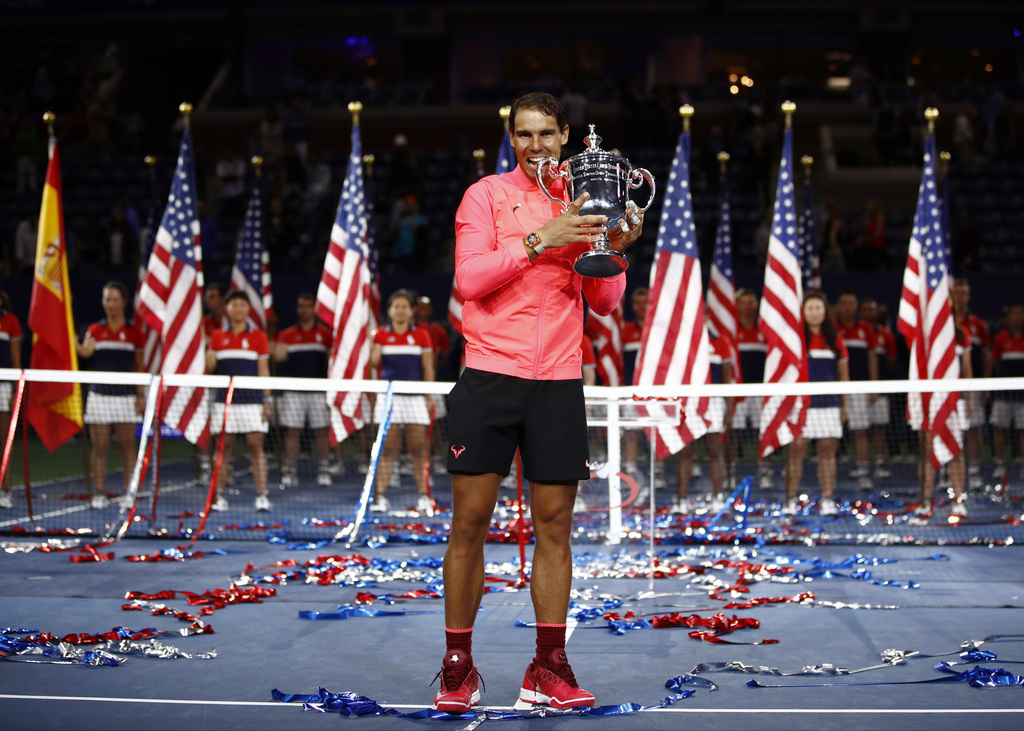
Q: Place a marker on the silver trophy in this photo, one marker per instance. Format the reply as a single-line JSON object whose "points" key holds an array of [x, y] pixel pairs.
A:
{"points": [[607, 177]]}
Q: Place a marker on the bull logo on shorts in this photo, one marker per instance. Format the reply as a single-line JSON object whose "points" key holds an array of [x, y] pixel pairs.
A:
{"points": [[458, 452]]}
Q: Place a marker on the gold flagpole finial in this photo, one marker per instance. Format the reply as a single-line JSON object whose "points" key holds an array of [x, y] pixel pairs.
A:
{"points": [[807, 161], [49, 118], [354, 108], [368, 160], [186, 111], [257, 165], [788, 109], [150, 161], [931, 114], [686, 111], [723, 161], [479, 156], [504, 113], [944, 159]]}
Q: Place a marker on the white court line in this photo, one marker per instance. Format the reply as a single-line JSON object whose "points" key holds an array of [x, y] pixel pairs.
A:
{"points": [[672, 709]]}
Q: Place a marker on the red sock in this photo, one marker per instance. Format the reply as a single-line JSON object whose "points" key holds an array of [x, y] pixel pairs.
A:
{"points": [[549, 637], [459, 639]]}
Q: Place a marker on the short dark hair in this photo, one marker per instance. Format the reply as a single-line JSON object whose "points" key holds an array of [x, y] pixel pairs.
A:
{"points": [[845, 292], [745, 292], [543, 103], [407, 293], [237, 294], [961, 282], [114, 284], [217, 287], [306, 296]]}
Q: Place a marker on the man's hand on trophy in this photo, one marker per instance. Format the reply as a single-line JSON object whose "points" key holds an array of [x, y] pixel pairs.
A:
{"points": [[570, 227], [629, 228]]}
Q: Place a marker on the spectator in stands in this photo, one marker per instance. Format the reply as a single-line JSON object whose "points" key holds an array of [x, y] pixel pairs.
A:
{"points": [[296, 127], [303, 350], [408, 229], [1008, 408], [870, 245], [230, 172], [981, 367], [404, 352], [318, 182], [964, 138], [281, 239], [114, 344], [966, 241], [859, 337], [26, 238], [10, 357], [827, 360], [240, 351], [216, 304], [885, 356], [752, 349], [723, 364], [122, 242], [833, 257]]}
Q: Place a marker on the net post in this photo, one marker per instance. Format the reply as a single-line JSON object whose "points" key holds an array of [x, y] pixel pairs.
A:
{"points": [[614, 442], [157, 442], [349, 532], [215, 472], [11, 429], [24, 461]]}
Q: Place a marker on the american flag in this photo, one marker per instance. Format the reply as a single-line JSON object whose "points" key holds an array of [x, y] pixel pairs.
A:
{"points": [[343, 299], [926, 320], [809, 257], [674, 346], [171, 298], [781, 316], [251, 271], [506, 155], [606, 333], [151, 354], [721, 296]]}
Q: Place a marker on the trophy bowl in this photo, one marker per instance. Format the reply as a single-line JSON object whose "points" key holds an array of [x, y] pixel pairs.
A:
{"points": [[608, 178]]}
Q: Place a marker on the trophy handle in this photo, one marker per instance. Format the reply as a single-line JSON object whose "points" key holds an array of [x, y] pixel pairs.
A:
{"points": [[556, 171], [637, 176]]}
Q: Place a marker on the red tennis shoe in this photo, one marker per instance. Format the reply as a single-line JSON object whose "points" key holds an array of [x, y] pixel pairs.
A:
{"points": [[459, 684], [553, 684]]}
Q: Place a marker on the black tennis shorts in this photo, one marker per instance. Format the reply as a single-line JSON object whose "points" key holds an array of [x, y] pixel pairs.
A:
{"points": [[491, 414]]}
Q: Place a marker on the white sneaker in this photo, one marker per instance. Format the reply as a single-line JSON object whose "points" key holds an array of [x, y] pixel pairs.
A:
{"points": [[881, 472], [6, 501], [766, 481], [509, 481], [924, 510], [790, 507], [696, 471], [716, 504], [580, 506], [395, 479], [975, 482], [323, 479], [864, 483], [333, 468], [289, 479], [380, 505], [999, 472], [827, 506], [424, 504], [220, 505], [958, 509], [439, 465], [682, 506], [98, 501], [861, 470], [262, 504]]}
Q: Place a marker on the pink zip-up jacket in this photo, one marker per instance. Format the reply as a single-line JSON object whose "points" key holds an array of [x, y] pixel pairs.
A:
{"points": [[520, 318]]}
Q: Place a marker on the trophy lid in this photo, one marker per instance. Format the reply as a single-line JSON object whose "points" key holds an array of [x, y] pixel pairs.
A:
{"points": [[593, 140]]}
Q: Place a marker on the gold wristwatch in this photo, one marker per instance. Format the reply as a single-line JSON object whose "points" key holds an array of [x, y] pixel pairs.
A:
{"points": [[533, 241]]}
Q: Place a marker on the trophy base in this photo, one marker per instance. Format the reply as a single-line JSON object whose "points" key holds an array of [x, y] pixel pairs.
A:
{"points": [[600, 263]]}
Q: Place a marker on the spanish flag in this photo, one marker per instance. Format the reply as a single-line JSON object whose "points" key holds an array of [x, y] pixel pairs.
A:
{"points": [[54, 409]]}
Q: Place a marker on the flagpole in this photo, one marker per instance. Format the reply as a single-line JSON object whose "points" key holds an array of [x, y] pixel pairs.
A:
{"points": [[723, 163], [479, 156], [686, 112], [49, 119], [504, 112]]}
